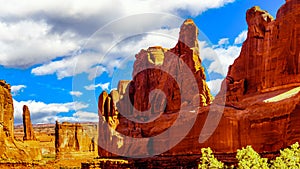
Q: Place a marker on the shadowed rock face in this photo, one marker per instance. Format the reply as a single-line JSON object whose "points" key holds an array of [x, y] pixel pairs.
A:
{"points": [[268, 67], [28, 130], [9, 148]]}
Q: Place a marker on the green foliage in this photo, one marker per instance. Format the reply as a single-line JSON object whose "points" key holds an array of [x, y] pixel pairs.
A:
{"points": [[289, 158], [208, 160], [250, 159]]}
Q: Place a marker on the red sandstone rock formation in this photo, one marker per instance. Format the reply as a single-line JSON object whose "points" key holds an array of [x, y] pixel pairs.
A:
{"points": [[268, 67], [9, 148], [28, 130], [270, 58], [136, 102], [75, 139]]}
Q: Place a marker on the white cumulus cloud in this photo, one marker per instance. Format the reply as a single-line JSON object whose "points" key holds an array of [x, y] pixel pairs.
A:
{"points": [[86, 116], [241, 37], [16, 89], [104, 86], [80, 116], [220, 56], [27, 42], [40, 110], [75, 93], [48, 32], [214, 86], [223, 41]]}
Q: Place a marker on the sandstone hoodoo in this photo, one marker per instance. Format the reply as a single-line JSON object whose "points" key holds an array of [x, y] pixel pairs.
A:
{"points": [[28, 130], [153, 111], [262, 93]]}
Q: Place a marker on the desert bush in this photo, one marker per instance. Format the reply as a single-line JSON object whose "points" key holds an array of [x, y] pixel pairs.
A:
{"points": [[208, 160], [289, 158], [250, 159]]}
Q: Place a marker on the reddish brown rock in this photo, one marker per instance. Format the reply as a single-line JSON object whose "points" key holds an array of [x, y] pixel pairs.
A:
{"points": [[73, 140], [268, 67], [260, 110], [270, 58], [157, 92], [28, 130]]}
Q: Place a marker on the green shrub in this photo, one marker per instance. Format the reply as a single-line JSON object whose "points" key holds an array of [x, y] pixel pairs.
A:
{"points": [[289, 158], [250, 159], [208, 160]]}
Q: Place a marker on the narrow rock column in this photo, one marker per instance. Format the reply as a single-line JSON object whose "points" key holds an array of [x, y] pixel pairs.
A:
{"points": [[28, 130]]}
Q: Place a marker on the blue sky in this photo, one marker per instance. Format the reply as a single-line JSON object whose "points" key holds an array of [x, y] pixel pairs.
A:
{"points": [[58, 57]]}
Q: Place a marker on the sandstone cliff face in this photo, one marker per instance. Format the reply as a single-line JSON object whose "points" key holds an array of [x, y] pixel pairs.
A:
{"points": [[7, 111], [11, 150], [267, 68], [75, 139], [270, 58], [28, 130]]}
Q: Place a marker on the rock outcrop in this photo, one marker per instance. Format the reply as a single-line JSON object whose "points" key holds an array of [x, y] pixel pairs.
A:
{"points": [[75, 139], [7, 111], [270, 58], [261, 91], [11, 150], [28, 130], [164, 82]]}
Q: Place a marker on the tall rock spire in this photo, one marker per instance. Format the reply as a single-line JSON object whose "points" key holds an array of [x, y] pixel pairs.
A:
{"points": [[156, 68], [28, 129]]}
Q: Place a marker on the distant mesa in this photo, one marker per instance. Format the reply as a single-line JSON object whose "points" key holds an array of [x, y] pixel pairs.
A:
{"points": [[75, 139]]}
